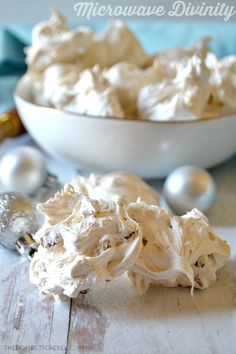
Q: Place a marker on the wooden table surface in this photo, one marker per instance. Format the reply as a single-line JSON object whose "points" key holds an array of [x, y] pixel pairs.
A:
{"points": [[114, 319]]}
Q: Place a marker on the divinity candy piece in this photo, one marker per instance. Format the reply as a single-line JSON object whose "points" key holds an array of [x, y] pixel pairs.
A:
{"points": [[60, 46], [55, 78], [91, 95], [180, 56], [45, 30], [83, 241], [181, 98], [200, 48], [176, 250], [223, 81], [129, 79], [122, 45], [122, 184]]}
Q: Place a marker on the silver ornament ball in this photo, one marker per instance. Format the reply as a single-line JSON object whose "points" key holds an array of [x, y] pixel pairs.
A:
{"points": [[23, 169], [18, 216], [189, 187]]}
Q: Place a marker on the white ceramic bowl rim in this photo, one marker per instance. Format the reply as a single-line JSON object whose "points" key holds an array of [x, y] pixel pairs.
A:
{"points": [[17, 89]]}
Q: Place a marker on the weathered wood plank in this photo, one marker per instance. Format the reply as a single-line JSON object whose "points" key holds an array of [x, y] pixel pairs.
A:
{"points": [[87, 326], [29, 319], [116, 320]]}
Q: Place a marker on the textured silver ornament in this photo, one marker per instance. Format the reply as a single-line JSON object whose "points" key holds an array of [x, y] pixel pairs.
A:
{"points": [[18, 217], [189, 187]]}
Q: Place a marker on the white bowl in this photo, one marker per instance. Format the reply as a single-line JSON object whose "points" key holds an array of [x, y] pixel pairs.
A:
{"points": [[146, 148]]}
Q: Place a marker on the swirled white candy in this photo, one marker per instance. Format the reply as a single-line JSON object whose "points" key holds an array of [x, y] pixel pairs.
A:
{"points": [[45, 30], [121, 184], [223, 81], [180, 56], [85, 241], [129, 79], [55, 78], [176, 250], [91, 95], [122, 45], [54, 43], [181, 98]]}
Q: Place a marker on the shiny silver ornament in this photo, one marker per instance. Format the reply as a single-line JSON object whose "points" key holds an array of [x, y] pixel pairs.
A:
{"points": [[18, 220], [23, 169], [189, 187]]}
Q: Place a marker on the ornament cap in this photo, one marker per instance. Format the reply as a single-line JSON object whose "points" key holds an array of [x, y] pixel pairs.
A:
{"points": [[26, 245], [10, 125]]}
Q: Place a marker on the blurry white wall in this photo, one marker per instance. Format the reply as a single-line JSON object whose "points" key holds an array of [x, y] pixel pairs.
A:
{"points": [[31, 11]]}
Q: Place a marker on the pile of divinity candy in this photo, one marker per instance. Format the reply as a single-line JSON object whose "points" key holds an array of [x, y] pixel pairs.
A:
{"points": [[102, 227], [109, 75]]}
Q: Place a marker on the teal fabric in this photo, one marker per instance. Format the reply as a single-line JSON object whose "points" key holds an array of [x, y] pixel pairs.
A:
{"points": [[154, 35]]}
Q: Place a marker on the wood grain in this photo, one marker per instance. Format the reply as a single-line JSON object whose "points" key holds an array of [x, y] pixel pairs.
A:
{"points": [[27, 317], [116, 320], [87, 326]]}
